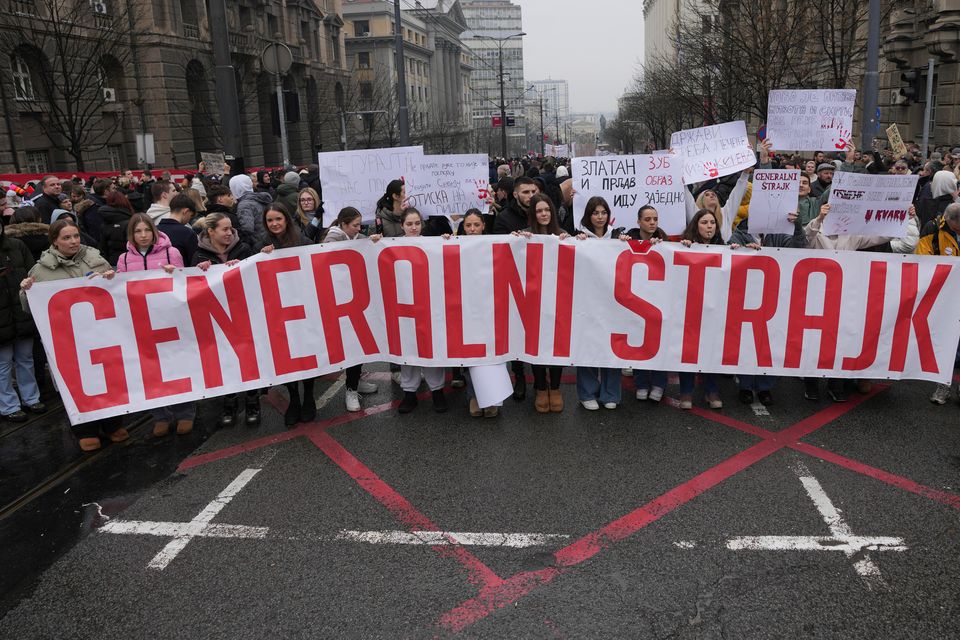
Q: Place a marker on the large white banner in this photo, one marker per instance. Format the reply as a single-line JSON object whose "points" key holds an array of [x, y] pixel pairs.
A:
{"points": [[359, 178], [150, 339], [630, 182], [810, 119], [775, 195], [449, 185], [869, 205], [714, 151]]}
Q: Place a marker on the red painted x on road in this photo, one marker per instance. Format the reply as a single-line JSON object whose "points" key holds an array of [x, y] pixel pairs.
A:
{"points": [[495, 592]]}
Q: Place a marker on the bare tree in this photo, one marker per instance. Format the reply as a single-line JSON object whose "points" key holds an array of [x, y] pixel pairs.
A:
{"points": [[73, 49]]}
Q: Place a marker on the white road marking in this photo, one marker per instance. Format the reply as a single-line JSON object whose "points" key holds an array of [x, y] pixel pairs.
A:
{"points": [[685, 544], [760, 409], [848, 545], [199, 527], [440, 538], [328, 395]]}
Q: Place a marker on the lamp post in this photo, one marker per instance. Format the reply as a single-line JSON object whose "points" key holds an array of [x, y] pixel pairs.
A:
{"points": [[540, 94], [503, 102]]}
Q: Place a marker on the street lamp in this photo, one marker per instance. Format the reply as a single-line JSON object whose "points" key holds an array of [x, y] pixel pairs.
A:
{"points": [[503, 103], [539, 93]]}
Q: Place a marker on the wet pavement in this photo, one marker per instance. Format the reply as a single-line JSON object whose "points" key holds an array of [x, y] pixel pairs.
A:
{"points": [[801, 520]]}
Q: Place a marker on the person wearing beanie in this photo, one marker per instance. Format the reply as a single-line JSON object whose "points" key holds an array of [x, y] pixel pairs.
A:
{"points": [[289, 191], [562, 173], [825, 171]]}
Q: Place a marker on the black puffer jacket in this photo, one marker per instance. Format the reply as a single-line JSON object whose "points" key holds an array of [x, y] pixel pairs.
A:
{"points": [[33, 234], [15, 262], [113, 233], [238, 250]]}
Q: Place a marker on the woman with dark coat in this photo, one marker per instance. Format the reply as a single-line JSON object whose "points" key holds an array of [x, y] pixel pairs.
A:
{"points": [[17, 333], [27, 228], [116, 214], [943, 191]]}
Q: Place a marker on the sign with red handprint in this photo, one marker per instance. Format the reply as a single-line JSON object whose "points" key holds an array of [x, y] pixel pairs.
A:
{"points": [[450, 185], [810, 120], [863, 204], [713, 152]]}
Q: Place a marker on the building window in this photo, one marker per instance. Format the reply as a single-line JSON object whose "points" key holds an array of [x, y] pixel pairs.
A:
{"points": [[363, 60], [273, 26], [115, 155], [366, 92], [335, 38], [22, 84], [361, 28], [38, 161]]}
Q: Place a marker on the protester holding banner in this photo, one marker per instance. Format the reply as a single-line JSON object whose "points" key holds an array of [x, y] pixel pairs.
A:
{"points": [[546, 378], [702, 229], [220, 244], [597, 386], [710, 201], [516, 216], [346, 228], [67, 258], [411, 222], [308, 213], [390, 210]]}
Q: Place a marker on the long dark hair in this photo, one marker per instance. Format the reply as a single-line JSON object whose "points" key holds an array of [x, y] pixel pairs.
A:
{"points": [[554, 227], [592, 204], [692, 232], [291, 235], [346, 216], [394, 187]]}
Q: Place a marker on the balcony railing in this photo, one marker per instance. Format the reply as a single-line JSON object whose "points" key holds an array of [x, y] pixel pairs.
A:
{"points": [[191, 31], [24, 7]]}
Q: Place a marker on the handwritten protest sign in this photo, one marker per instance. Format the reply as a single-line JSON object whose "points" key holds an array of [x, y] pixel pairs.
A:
{"points": [[215, 164], [810, 120], [867, 204], [630, 182], [359, 178], [714, 151], [556, 150], [449, 185], [896, 141], [774, 196]]}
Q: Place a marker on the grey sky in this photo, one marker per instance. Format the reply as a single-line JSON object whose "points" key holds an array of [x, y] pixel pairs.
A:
{"points": [[595, 45]]}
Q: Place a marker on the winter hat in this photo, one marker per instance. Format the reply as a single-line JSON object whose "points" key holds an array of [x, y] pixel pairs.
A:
{"points": [[58, 213], [562, 172], [291, 178], [240, 186], [826, 165]]}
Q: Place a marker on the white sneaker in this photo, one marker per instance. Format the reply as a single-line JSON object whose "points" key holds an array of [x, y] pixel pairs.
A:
{"points": [[656, 394], [353, 400], [643, 394], [366, 387], [941, 394], [610, 405], [626, 371], [395, 376], [590, 405]]}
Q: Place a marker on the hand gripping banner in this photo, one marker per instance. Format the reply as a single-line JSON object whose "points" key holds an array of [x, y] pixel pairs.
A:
{"points": [[151, 339]]}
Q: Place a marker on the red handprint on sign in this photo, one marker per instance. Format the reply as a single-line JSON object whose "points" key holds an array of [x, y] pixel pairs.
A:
{"points": [[841, 140], [710, 168]]}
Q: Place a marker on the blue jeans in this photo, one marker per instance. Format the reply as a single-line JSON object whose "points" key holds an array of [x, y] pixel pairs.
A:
{"points": [[708, 381], [602, 385], [19, 355], [173, 413], [757, 383], [643, 379]]}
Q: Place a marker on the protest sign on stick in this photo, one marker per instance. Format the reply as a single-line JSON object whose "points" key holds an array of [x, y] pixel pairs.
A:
{"points": [[896, 141], [215, 164], [775, 194], [714, 151], [359, 178], [810, 119], [449, 185], [630, 182], [869, 205]]}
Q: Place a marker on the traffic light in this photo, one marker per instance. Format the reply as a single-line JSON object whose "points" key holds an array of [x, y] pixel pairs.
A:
{"points": [[912, 81]]}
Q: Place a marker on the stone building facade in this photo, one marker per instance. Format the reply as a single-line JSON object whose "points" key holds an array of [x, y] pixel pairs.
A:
{"points": [[160, 81]]}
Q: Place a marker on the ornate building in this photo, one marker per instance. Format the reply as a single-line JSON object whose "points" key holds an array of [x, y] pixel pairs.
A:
{"points": [[129, 67]]}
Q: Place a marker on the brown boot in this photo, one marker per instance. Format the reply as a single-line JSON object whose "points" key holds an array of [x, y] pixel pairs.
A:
{"points": [[184, 427], [475, 410], [556, 401], [89, 444], [119, 435], [161, 429], [491, 412], [542, 401]]}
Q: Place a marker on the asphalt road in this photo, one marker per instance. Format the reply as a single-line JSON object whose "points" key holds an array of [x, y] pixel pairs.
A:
{"points": [[818, 520]]}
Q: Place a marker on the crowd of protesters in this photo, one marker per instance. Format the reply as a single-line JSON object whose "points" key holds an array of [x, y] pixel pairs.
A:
{"points": [[72, 228]]}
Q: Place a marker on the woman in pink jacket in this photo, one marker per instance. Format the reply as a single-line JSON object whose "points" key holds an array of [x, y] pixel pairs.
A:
{"points": [[148, 248]]}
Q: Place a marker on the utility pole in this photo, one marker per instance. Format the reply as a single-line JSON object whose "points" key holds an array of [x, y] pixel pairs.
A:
{"points": [[226, 86], [542, 141], [871, 79], [927, 108], [401, 75], [503, 101]]}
